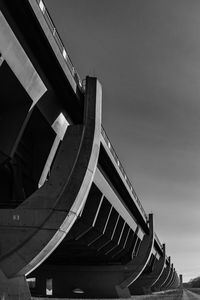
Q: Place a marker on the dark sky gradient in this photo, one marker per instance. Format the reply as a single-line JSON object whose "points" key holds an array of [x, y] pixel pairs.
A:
{"points": [[146, 54]]}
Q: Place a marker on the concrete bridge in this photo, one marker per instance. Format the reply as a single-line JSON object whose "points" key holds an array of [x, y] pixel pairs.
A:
{"points": [[70, 220]]}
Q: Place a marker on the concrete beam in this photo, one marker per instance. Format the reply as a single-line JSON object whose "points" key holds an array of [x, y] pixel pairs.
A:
{"points": [[104, 239], [115, 200], [122, 243]]}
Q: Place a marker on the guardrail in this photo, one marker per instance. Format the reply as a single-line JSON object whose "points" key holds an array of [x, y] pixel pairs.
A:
{"points": [[77, 78], [112, 151], [59, 43]]}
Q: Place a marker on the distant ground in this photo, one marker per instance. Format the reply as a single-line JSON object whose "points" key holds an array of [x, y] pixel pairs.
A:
{"points": [[168, 295], [191, 294], [195, 290]]}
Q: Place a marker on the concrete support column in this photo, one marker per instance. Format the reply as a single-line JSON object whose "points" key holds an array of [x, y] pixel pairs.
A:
{"points": [[123, 293], [181, 281], [14, 288]]}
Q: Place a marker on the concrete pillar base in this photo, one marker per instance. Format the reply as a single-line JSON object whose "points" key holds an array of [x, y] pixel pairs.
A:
{"points": [[14, 288], [123, 293]]}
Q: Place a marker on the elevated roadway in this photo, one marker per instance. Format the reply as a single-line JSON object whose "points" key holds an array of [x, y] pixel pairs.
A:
{"points": [[70, 220]]}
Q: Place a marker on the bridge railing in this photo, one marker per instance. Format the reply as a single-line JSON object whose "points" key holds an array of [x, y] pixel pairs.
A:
{"points": [[59, 43], [112, 151]]}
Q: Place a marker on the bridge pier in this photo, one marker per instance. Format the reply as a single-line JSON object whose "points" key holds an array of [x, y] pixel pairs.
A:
{"points": [[95, 281], [81, 281], [139, 263], [163, 278], [151, 273], [14, 288]]}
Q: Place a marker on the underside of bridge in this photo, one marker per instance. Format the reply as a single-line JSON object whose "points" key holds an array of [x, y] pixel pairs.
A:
{"points": [[70, 220]]}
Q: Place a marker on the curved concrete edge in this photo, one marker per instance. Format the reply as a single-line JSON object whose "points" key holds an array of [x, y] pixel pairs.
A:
{"points": [[162, 278], [171, 279], [138, 264], [176, 283], [145, 281], [166, 282], [159, 280], [64, 198], [108, 192], [161, 266], [172, 283]]}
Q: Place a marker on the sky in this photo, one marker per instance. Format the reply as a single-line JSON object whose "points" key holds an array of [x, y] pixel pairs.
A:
{"points": [[146, 54]]}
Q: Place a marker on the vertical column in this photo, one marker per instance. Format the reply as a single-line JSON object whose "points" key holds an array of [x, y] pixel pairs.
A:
{"points": [[14, 288], [181, 281]]}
